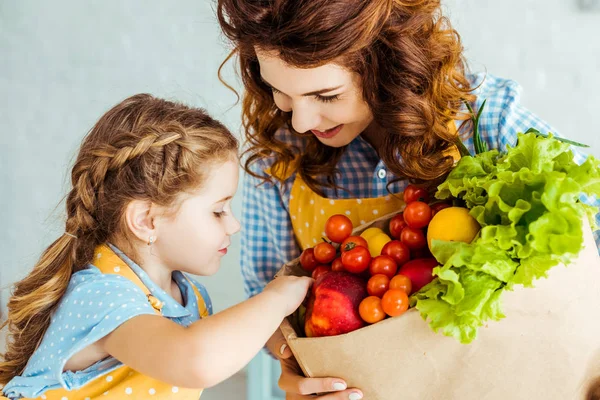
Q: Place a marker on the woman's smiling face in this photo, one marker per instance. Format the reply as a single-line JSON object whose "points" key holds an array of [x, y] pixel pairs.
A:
{"points": [[325, 100]]}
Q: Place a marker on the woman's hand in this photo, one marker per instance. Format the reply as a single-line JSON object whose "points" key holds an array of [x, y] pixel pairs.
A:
{"points": [[298, 387]]}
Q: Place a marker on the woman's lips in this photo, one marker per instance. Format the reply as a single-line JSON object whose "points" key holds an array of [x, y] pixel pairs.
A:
{"points": [[329, 133]]}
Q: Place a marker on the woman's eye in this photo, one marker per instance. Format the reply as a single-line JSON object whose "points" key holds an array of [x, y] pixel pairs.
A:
{"points": [[327, 99]]}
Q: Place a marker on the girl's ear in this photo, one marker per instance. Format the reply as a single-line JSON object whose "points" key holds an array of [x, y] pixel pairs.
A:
{"points": [[140, 220]]}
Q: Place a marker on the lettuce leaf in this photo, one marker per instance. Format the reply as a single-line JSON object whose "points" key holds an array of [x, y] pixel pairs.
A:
{"points": [[527, 203]]}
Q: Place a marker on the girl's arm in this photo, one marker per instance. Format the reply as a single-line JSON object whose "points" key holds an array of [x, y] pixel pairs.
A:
{"points": [[212, 349]]}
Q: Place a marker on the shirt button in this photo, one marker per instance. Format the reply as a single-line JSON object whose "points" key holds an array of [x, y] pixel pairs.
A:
{"points": [[381, 173]]}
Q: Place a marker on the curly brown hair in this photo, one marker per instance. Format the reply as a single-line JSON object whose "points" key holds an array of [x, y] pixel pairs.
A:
{"points": [[408, 55], [144, 148]]}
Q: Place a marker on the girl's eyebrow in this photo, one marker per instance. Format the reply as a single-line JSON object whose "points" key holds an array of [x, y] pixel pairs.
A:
{"points": [[315, 93], [224, 199]]}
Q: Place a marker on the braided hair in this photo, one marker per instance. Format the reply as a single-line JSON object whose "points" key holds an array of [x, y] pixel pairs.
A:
{"points": [[144, 148]]}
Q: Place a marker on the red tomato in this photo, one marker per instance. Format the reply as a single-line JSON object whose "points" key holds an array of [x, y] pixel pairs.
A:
{"points": [[378, 284], [401, 282], [413, 238], [415, 193], [394, 302], [356, 260], [308, 260], [320, 270], [338, 227], [324, 252], [383, 265], [398, 251], [370, 310], [337, 265], [435, 208], [417, 214], [420, 272], [397, 223], [352, 242]]}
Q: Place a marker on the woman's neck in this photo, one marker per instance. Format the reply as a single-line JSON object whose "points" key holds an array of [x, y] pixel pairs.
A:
{"points": [[375, 136]]}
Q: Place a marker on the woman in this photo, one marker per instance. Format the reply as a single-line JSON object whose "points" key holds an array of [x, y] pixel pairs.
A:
{"points": [[346, 102]]}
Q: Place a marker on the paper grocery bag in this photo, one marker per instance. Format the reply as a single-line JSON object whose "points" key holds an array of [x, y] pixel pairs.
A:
{"points": [[547, 347]]}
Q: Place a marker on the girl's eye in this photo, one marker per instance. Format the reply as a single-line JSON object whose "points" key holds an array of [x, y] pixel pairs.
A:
{"points": [[327, 99], [220, 214]]}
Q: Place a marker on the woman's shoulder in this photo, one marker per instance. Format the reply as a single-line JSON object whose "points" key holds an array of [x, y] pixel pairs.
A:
{"points": [[495, 89]]}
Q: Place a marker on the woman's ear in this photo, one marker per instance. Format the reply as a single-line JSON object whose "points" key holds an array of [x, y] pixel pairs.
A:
{"points": [[140, 220]]}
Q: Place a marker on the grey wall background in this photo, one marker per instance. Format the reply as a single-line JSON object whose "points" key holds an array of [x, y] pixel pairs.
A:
{"points": [[63, 63]]}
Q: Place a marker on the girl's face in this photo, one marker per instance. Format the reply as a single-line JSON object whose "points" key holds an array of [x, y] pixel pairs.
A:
{"points": [[325, 100], [197, 236]]}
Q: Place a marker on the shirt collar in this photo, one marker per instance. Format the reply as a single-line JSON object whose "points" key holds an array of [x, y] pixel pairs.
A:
{"points": [[171, 308]]}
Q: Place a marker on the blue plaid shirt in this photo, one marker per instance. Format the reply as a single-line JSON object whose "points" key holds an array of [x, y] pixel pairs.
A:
{"points": [[267, 235]]}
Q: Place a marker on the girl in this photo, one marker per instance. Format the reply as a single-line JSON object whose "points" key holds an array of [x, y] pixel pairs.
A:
{"points": [[109, 310], [346, 102]]}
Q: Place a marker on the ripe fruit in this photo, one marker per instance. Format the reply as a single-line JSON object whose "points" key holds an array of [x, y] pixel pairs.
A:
{"points": [[398, 251], [378, 284], [308, 260], [370, 310], [394, 302], [356, 260], [420, 272], [324, 252], [338, 227], [383, 265], [333, 306], [417, 214], [453, 224], [413, 238], [401, 282], [415, 193]]}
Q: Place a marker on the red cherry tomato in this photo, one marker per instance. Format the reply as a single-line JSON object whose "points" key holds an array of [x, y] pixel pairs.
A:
{"points": [[397, 223], [415, 193], [417, 214], [324, 252], [338, 227], [437, 207], [352, 242], [320, 270], [378, 284], [394, 302], [308, 260], [398, 251], [413, 238], [383, 265], [401, 282], [337, 265], [370, 310], [356, 260]]}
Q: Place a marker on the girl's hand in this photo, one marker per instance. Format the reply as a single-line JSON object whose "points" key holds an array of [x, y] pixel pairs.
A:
{"points": [[298, 387], [291, 291]]}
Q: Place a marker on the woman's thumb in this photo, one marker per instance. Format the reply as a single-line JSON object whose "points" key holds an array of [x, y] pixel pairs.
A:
{"points": [[277, 345]]}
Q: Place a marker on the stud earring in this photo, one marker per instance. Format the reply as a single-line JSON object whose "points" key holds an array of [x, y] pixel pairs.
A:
{"points": [[151, 240]]}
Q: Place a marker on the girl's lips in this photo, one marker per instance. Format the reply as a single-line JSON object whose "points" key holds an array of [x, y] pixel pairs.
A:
{"points": [[329, 133], [223, 251]]}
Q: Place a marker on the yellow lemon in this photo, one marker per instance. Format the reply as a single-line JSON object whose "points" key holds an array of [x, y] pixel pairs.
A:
{"points": [[453, 224], [376, 243], [369, 232]]}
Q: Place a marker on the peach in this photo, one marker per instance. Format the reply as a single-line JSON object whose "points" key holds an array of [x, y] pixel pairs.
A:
{"points": [[333, 305]]}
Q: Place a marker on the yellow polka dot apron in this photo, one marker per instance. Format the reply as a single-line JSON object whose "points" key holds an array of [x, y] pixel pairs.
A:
{"points": [[124, 382], [309, 211]]}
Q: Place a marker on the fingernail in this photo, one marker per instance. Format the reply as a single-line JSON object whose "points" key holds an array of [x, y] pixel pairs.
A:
{"points": [[282, 348], [355, 396], [339, 386]]}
